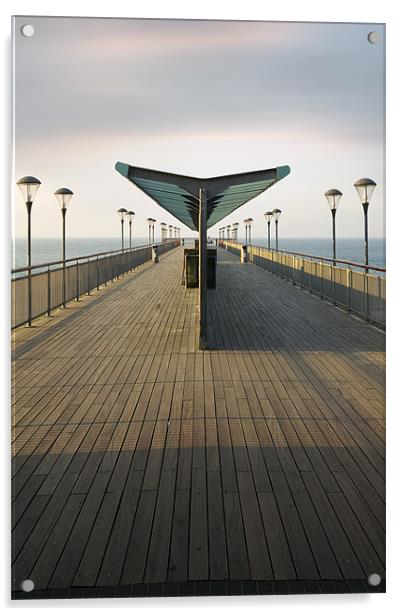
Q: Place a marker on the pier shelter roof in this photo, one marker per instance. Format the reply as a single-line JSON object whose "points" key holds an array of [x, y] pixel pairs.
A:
{"points": [[179, 194]]}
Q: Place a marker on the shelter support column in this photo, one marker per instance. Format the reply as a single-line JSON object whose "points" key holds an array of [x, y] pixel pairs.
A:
{"points": [[202, 268]]}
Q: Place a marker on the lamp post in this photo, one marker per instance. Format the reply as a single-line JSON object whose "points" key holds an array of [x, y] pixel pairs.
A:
{"points": [[249, 220], [121, 213], [235, 227], [365, 188], [63, 196], [149, 221], [276, 212], [153, 230], [130, 215], [28, 186], [333, 196], [268, 217], [245, 222]]}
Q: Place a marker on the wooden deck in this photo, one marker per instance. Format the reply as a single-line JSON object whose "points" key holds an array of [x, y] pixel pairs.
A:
{"points": [[141, 462]]}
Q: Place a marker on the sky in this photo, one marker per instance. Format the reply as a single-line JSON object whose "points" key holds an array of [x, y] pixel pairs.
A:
{"points": [[201, 98]]}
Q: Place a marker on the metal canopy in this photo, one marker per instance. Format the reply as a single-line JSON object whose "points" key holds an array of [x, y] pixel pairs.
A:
{"points": [[179, 194]]}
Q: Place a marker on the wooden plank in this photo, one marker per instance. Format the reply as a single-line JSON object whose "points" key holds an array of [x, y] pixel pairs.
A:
{"points": [[158, 555], [260, 565], [107, 572], [198, 567], [134, 566], [67, 565]]}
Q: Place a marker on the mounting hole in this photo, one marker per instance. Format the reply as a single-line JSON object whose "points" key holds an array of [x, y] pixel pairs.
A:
{"points": [[27, 585], [373, 37], [27, 30], [374, 579]]}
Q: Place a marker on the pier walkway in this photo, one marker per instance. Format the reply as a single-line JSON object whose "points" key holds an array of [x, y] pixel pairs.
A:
{"points": [[145, 466]]}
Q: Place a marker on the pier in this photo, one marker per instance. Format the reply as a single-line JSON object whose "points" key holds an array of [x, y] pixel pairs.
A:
{"points": [[146, 466]]}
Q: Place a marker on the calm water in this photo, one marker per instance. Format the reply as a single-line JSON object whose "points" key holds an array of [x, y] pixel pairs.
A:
{"points": [[45, 250], [347, 249]]}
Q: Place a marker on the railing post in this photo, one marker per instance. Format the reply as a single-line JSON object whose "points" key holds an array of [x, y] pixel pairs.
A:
{"points": [[379, 307], [48, 291], [366, 295], [155, 258], [77, 297], [320, 279], [311, 275], [243, 254], [293, 269], [88, 282], [97, 273], [348, 285], [302, 273]]}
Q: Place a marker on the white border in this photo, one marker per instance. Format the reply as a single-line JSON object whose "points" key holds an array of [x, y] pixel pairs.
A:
{"points": [[387, 11]]}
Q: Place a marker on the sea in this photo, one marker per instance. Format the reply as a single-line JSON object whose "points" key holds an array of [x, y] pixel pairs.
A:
{"points": [[45, 250]]}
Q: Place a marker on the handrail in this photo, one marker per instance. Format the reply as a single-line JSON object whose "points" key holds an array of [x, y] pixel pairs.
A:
{"points": [[92, 256], [302, 254]]}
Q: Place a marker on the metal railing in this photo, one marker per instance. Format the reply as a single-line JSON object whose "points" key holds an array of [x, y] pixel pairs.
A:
{"points": [[358, 288], [46, 281]]}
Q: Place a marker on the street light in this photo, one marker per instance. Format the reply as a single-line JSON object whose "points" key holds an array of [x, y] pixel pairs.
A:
{"points": [[268, 217], [276, 212], [63, 196], [153, 230], [365, 188], [121, 213], [250, 220], [235, 227], [130, 215], [245, 222], [333, 196], [149, 221], [28, 186]]}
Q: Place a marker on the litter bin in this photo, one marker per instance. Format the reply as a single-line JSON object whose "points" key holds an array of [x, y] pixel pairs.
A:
{"points": [[211, 267], [191, 268]]}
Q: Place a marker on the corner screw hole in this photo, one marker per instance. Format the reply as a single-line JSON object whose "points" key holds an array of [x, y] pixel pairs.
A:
{"points": [[27, 585], [27, 30], [374, 579]]}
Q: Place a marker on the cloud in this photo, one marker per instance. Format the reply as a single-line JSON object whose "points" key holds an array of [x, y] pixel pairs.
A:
{"points": [[196, 97]]}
